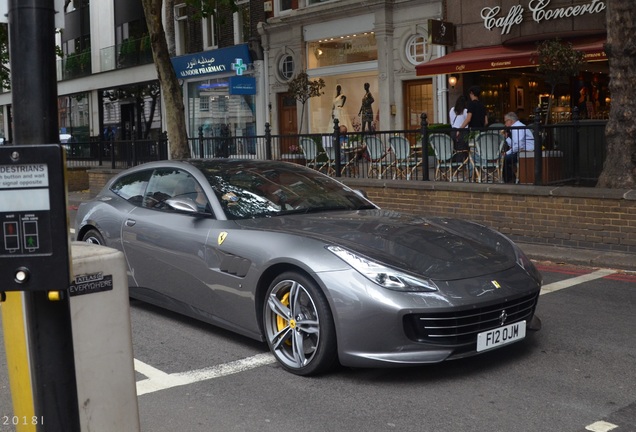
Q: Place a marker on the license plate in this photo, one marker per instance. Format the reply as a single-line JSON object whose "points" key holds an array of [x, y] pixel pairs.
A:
{"points": [[501, 336]]}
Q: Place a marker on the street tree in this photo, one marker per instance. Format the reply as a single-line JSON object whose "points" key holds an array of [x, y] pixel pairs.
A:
{"points": [[302, 88], [558, 61], [170, 87], [161, 53], [619, 169], [5, 73]]}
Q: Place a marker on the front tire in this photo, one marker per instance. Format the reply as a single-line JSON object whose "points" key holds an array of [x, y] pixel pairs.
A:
{"points": [[299, 325], [94, 237]]}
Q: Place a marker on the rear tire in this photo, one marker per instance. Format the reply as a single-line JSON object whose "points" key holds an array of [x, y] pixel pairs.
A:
{"points": [[299, 325], [94, 237]]}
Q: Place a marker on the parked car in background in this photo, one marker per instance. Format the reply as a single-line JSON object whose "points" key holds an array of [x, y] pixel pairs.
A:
{"points": [[282, 253], [67, 140]]}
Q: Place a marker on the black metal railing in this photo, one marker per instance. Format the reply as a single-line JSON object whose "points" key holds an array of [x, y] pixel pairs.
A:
{"points": [[570, 153]]}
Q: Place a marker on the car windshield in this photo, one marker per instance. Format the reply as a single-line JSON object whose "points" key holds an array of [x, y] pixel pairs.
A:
{"points": [[265, 189]]}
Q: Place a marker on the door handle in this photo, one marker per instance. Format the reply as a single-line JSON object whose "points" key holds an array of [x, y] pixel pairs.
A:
{"points": [[130, 222]]}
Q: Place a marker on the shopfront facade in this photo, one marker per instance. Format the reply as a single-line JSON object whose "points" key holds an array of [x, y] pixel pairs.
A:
{"points": [[375, 46], [222, 93], [496, 49]]}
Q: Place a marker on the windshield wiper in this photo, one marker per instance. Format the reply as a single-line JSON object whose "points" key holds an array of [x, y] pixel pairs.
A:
{"points": [[305, 210], [367, 207]]}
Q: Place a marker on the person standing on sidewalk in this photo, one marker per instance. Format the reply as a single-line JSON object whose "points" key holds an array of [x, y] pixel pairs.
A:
{"points": [[476, 116]]}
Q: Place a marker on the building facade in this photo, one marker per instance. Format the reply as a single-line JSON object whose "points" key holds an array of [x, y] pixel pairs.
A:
{"points": [[107, 82], [349, 44], [496, 49], [235, 66]]}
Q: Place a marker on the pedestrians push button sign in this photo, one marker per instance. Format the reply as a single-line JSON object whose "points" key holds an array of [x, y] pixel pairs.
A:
{"points": [[33, 222], [24, 206]]}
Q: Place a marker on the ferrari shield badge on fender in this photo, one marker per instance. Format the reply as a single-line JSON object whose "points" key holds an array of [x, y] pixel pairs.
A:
{"points": [[495, 283], [221, 238]]}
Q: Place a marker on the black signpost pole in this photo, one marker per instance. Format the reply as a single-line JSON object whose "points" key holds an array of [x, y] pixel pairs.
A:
{"points": [[48, 321]]}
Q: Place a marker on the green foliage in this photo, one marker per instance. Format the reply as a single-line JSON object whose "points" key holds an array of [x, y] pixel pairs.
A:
{"points": [[302, 88], [206, 8], [558, 60], [5, 75]]}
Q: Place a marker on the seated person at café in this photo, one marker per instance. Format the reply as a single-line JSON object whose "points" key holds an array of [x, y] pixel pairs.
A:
{"points": [[518, 138]]}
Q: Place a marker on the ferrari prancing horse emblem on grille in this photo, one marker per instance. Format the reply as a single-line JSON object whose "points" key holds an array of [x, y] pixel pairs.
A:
{"points": [[503, 317]]}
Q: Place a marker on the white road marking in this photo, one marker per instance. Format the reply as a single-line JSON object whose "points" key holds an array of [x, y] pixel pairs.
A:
{"points": [[158, 380], [556, 286], [601, 426]]}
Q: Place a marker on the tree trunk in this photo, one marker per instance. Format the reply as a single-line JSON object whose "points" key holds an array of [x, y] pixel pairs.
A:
{"points": [[619, 170], [170, 38], [170, 88]]}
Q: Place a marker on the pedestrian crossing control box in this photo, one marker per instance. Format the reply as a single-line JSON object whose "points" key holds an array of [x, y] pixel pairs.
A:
{"points": [[34, 243]]}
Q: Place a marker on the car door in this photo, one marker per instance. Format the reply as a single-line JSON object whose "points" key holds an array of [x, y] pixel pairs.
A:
{"points": [[179, 261], [166, 249]]}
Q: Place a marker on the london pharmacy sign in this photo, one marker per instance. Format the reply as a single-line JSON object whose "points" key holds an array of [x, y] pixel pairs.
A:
{"points": [[494, 18]]}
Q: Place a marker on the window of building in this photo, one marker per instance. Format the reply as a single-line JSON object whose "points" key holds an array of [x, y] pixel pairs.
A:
{"points": [[210, 32], [286, 67], [204, 103], [241, 22], [340, 50], [417, 49], [352, 86], [282, 7], [225, 113], [73, 115]]}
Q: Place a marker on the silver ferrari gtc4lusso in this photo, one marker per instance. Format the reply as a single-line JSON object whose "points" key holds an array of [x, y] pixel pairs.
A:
{"points": [[284, 254]]}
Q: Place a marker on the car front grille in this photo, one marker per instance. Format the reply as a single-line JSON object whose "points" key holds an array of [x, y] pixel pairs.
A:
{"points": [[460, 327]]}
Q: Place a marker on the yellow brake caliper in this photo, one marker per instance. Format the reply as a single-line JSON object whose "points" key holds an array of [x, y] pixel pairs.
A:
{"points": [[281, 322]]}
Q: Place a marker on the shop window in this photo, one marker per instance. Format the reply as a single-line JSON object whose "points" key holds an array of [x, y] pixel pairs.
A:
{"points": [[334, 51], [213, 111], [352, 86], [286, 67], [417, 49]]}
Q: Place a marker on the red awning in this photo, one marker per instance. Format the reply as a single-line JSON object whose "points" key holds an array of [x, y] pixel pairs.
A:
{"points": [[499, 57]]}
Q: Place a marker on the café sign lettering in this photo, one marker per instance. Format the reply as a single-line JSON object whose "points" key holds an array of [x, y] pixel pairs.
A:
{"points": [[540, 12]]}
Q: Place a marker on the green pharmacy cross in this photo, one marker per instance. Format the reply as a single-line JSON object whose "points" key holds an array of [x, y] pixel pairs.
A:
{"points": [[239, 66]]}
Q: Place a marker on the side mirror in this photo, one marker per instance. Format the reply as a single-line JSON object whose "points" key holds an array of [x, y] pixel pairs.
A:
{"points": [[185, 205]]}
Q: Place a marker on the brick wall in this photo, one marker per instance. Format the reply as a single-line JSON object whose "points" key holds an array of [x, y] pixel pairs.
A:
{"points": [[76, 179], [589, 218]]}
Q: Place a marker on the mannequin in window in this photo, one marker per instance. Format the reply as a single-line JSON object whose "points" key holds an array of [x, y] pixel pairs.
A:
{"points": [[338, 111], [366, 111]]}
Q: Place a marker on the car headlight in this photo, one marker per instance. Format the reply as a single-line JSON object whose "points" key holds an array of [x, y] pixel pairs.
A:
{"points": [[382, 275], [524, 262]]}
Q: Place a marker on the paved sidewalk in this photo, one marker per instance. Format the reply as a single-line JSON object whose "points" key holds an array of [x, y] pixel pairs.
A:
{"points": [[587, 257]]}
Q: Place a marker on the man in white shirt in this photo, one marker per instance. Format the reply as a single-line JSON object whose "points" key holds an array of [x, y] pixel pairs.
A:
{"points": [[519, 138]]}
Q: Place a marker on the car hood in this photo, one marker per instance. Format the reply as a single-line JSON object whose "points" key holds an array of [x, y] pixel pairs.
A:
{"points": [[444, 249]]}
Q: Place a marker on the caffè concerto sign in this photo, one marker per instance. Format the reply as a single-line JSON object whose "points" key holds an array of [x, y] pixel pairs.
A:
{"points": [[540, 12]]}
